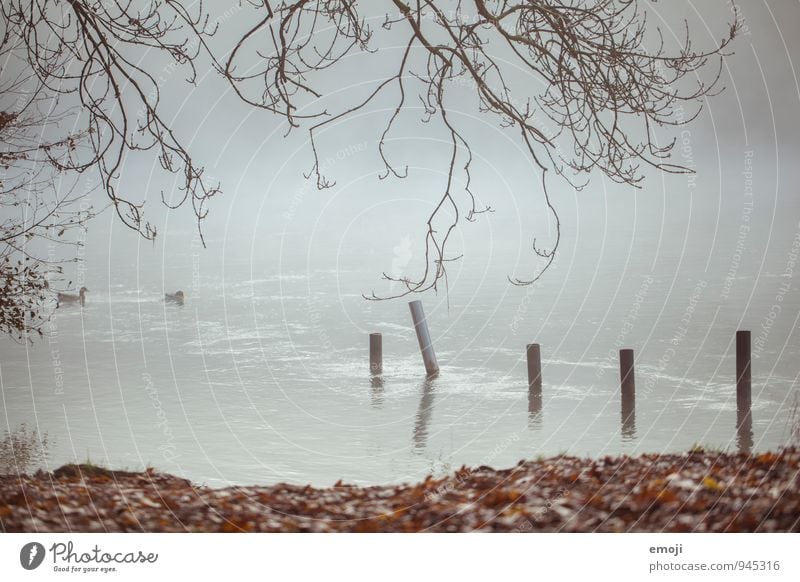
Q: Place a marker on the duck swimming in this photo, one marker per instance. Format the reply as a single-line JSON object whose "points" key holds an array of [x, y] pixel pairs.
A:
{"points": [[72, 298], [176, 297]]}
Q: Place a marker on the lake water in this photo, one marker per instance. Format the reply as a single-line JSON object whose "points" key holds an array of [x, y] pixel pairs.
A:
{"points": [[263, 375]]}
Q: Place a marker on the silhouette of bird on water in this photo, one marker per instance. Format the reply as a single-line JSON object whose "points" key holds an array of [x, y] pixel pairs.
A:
{"points": [[71, 298], [176, 297]]}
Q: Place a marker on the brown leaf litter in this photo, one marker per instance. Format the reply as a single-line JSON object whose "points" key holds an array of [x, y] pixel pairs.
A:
{"points": [[691, 492]]}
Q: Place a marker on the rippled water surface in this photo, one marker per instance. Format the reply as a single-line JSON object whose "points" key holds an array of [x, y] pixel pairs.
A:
{"points": [[263, 377]]}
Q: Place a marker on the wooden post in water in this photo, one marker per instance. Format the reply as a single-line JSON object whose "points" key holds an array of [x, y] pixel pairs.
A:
{"points": [[424, 337], [743, 386], [744, 419], [628, 389], [626, 373], [375, 354], [534, 356]]}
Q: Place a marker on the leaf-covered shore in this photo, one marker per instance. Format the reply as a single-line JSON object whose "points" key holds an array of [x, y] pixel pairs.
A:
{"points": [[692, 492]]}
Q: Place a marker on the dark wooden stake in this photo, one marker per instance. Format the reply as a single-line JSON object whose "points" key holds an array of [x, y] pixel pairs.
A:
{"points": [[744, 418], [743, 383], [626, 373], [534, 356], [424, 337], [375, 354], [628, 390]]}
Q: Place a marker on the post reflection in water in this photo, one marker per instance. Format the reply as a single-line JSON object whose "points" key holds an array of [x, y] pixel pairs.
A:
{"points": [[376, 394], [423, 419], [534, 409], [744, 430], [628, 417]]}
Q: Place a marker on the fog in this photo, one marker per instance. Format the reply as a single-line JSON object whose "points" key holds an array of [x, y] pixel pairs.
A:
{"points": [[267, 206], [262, 374]]}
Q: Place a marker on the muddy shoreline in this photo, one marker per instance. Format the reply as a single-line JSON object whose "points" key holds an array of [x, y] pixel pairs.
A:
{"points": [[692, 492]]}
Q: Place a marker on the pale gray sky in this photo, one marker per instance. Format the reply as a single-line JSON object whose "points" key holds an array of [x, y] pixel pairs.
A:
{"points": [[265, 193]]}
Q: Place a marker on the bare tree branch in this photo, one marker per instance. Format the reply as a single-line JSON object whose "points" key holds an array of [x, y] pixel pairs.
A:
{"points": [[609, 82]]}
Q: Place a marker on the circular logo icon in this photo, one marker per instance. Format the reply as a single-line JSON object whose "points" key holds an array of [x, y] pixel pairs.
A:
{"points": [[31, 555]]}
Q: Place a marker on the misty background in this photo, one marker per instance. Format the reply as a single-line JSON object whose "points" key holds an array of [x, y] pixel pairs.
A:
{"points": [[263, 374]]}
